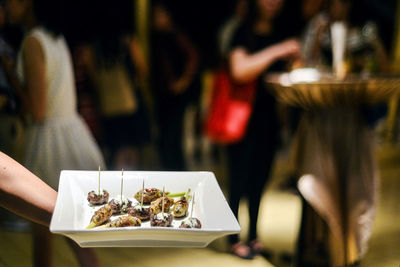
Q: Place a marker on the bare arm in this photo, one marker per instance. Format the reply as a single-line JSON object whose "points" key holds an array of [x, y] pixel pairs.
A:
{"points": [[246, 67], [35, 77], [87, 61], [185, 79], [24, 193], [138, 58]]}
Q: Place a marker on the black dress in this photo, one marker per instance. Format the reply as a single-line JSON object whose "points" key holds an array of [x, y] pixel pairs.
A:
{"points": [[168, 61], [250, 159]]}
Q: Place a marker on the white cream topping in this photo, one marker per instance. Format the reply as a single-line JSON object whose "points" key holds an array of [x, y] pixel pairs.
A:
{"points": [[191, 222], [97, 192], [138, 207], [162, 216], [117, 200]]}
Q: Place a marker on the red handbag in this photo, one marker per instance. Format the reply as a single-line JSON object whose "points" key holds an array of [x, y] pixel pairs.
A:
{"points": [[230, 110]]}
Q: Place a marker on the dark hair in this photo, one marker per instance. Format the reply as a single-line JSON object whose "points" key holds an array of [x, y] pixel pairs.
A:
{"points": [[288, 21]]}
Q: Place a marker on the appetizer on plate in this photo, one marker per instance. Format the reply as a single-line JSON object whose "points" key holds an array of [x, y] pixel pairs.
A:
{"points": [[161, 219], [156, 205], [100, 216], [98, 198], [120, 204], [140, 212], [191, 223], [124, 221], [180, 208], [149, 194]]}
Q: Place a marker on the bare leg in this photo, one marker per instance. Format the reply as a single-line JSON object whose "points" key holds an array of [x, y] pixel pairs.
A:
{"points": [[42, 247], [85, 256]]}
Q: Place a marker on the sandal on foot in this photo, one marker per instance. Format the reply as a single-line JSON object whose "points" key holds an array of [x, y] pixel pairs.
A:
{"points": [[242, 251]]}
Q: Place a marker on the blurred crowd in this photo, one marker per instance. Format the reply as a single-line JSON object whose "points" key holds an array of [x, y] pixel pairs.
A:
{"points": [[123, 86], [130, 88]]}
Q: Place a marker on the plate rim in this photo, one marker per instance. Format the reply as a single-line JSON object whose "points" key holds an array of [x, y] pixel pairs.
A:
{"points": [[211, 175]]}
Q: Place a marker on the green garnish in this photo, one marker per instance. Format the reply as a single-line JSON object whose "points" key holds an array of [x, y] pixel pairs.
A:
{"points": [[176, 194], [91, 225], [182, 194]]}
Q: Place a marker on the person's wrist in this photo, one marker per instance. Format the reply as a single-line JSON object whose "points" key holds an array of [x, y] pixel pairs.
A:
{"points": [[277, 51]]}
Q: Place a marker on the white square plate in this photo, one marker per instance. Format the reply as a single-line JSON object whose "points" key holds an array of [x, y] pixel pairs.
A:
{"points": [[73, 213]]}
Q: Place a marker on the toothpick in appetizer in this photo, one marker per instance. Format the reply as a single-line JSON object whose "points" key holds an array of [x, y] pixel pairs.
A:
{"points": [[120, 204], [156, 206], [161, 219], [148, 195], [191, 222], [139, 211], [100, 197], [180, 208]]}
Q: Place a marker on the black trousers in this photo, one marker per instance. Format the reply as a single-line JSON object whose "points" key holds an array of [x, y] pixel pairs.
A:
{"points": [[171, 136], [250, 163]]}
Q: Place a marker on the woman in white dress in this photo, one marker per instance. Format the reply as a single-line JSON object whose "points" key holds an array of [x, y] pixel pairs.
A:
{"points": [[57, 138]]}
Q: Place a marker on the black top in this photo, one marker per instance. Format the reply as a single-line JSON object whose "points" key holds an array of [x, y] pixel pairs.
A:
{"points": [[265, 104], [253, 42], [169, 59]]}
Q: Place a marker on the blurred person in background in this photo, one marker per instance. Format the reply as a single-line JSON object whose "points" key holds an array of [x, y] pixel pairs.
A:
{"points": [[259, 45], [174, 67], [311, 8], [11, 130], [314, 13], [57, 138], [229, 27], [114, 62], [9, 104], [365, 52], [353, 164]]}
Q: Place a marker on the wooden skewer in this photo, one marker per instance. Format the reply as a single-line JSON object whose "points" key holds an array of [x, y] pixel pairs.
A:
{"points": [[187, 194], [141, 200], [163, 196], [99, 179], [191, 211], [122, 184]]}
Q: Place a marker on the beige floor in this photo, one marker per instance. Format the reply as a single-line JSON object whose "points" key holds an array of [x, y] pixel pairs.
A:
{"points": [[384, 245], [278, 226]]}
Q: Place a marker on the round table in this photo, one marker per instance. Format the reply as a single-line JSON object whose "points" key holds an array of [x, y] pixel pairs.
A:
{"points": [[335, 161]]}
